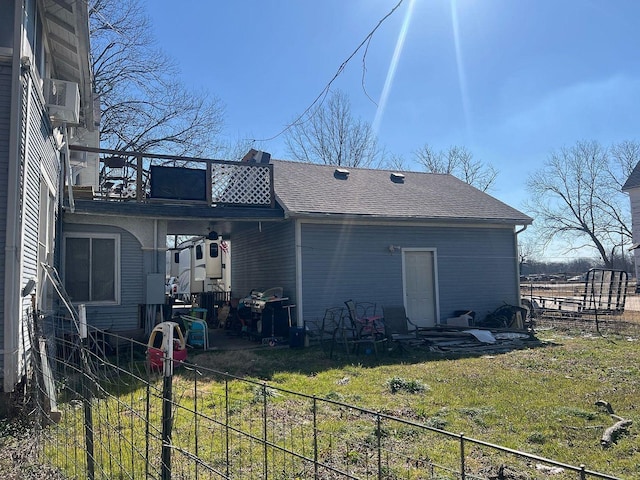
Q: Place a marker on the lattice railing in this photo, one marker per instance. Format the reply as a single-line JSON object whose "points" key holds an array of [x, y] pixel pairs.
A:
{"points": [[241, 184]]}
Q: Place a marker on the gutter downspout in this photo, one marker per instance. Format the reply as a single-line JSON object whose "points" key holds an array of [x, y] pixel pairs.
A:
{"points": [[67, 167], [11, 314], [518, 232], [156, 255], [298, 256]]}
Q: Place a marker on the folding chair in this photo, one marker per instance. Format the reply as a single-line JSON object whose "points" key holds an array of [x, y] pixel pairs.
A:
{"points": [[329, 329], [399, 329], [362, 330]]}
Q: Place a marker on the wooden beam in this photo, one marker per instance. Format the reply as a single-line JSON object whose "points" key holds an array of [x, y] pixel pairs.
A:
{"points": [[49, 385]]}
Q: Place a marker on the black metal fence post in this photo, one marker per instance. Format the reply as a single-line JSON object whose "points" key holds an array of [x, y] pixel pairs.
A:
{"points": [[147, 417], [379, 439], [167, 397], [195, 415], [226, 421], [264, 430], [315, 438], [462, 463]]}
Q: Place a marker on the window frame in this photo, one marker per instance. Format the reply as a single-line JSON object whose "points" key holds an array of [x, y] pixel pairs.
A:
{"points": [[116, 267]]}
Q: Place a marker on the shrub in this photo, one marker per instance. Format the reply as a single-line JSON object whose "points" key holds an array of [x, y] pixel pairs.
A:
{"points": [[396, 384]]}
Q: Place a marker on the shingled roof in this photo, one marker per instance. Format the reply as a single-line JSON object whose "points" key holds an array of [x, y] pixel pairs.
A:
{"points": [[305, 189], [634, 179]]}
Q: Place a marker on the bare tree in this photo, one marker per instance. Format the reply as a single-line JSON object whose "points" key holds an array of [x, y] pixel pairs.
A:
{"points": [[459, 162], [395, 162], [528, 249], [624, 157], [143, 105], [576, 197], [332, 136]]}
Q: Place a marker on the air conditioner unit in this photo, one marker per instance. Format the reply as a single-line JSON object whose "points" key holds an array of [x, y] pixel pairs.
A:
{"points": [[62, 98]]}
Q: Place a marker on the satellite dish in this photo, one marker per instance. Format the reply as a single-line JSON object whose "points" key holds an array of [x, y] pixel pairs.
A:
{"points": [[213, 235]]}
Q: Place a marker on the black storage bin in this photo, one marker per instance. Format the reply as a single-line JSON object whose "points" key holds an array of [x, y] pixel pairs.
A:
{"points": [[296, 337]]}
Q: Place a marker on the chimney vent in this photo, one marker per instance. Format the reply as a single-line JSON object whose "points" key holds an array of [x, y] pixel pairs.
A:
{"points": [[397, 177], [341, 173]]}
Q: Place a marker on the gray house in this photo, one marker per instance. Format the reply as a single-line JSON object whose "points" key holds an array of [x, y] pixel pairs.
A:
{"points": [[427, 241], [324, 234], [46, 105], [632, 187]]}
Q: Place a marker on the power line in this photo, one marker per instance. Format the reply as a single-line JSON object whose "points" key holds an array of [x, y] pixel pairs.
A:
{"points": [[323, 93]]}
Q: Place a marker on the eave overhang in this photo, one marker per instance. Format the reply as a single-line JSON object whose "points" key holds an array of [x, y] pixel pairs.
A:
{"points": [[67, 30]]}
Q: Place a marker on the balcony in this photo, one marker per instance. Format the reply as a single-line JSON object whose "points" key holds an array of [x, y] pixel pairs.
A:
{"points": [[165, 179]]}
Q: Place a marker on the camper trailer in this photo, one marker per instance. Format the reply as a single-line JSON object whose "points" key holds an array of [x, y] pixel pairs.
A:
{"points": [[172, 263], [203, 266]]}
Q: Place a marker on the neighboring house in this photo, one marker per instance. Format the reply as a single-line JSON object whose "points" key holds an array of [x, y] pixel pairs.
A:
{"points": [[45, 104], [324, 234], [632, 187]]}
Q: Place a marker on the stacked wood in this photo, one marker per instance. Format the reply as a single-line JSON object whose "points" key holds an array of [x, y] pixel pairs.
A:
{"points": [[461, 340]]}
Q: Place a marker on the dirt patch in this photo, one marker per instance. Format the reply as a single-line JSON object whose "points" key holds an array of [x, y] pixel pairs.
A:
{"points": [[20, 458]]}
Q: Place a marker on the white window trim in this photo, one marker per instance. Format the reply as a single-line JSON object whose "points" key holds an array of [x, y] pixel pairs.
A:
{"points": [[116, 238]]}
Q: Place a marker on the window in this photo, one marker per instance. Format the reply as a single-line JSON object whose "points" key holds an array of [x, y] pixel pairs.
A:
{"points": [[91, 271], [213, 250], [6, 23]]}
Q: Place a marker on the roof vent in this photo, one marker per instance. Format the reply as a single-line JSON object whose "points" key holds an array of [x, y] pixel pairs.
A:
{"points": [[397, 177], [341, 173]]}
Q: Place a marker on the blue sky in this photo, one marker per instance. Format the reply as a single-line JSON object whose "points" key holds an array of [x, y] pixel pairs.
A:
{"points": [[511, 80]]}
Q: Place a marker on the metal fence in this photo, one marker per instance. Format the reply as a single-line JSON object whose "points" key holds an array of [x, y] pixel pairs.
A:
{"points": [[116, 417]]}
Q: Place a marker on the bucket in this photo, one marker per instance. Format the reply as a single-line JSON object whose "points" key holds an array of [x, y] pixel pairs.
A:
{"points": [[296, 337]]}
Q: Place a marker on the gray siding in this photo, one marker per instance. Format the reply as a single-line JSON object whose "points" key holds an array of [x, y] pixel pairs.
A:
{"points": [[264, 259], [5, 112], [132, 281], [476, 267], [38, 150]]}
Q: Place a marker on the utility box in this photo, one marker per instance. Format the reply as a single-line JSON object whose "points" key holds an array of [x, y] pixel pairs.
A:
{"points": [[155, 289]]}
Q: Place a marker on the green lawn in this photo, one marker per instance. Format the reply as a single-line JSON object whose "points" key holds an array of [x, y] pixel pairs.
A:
{"points": [[539, 400]]}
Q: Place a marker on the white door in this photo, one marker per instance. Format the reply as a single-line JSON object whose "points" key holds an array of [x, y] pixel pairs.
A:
{"points": [[420, 287]]}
